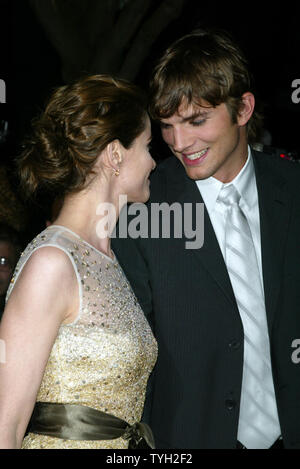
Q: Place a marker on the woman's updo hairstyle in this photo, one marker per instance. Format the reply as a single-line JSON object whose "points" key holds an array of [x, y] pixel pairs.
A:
{"points": [[78, 123]]}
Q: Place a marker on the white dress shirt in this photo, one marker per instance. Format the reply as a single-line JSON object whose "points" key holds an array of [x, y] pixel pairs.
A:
{"points": [[245, 183]]}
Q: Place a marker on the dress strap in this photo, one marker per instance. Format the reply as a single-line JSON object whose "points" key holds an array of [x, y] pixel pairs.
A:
{"points": [[77, 422]]}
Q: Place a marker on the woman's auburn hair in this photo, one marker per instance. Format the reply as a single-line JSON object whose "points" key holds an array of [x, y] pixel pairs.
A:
{"points": [[204, 68], [79, 121]]}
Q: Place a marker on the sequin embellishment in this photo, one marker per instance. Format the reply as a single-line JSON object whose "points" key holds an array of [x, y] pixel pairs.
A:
{"points": [[104, 358]]}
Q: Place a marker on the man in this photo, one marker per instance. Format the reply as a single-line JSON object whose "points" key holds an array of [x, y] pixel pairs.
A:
{"points": [[226, 314]]}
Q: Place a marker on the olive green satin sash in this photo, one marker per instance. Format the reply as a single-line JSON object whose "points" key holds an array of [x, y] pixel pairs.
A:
{"points": [[77, 422]]}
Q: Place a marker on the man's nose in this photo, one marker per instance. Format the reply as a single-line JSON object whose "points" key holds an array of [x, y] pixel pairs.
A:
{"points": [[181, 140]]}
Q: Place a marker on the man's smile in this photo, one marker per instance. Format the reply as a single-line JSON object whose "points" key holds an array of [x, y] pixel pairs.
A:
{"points": [[195, 158]]}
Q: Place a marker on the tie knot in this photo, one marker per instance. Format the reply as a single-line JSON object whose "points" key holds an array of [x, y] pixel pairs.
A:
{"points": [[229, 195]]}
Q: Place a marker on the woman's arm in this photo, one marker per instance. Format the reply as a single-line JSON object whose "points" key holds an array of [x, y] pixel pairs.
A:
{"points": [[44, 297]]}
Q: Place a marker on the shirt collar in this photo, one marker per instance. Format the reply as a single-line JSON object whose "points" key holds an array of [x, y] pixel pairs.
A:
{"points": [[244, 182]]}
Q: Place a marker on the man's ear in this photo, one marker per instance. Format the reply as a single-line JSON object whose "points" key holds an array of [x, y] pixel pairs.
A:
{"points": [[246, 108]]}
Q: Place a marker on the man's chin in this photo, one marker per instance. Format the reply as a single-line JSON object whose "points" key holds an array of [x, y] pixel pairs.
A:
{"points": [[195, 174]]}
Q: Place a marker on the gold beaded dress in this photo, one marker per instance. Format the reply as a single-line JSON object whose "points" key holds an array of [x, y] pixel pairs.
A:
{"points": [[104, 358]]}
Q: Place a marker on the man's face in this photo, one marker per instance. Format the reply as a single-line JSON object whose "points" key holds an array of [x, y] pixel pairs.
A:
{"points": [[7, 264], [206, 141]]}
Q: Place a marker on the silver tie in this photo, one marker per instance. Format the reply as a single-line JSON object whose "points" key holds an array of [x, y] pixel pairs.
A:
{"points": [[258, 421]]}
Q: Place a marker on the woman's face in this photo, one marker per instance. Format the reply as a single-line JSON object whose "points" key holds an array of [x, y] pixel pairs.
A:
{"points": [[136, 167]]}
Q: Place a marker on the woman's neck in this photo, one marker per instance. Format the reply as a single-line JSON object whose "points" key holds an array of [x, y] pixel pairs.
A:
{"points": [[91, 215]]}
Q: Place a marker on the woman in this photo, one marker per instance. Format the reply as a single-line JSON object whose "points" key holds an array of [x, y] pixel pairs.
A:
{"points": [[79, 350]]}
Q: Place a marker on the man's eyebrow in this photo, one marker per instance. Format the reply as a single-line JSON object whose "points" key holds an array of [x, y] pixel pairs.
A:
{"points": [[195, 115]]}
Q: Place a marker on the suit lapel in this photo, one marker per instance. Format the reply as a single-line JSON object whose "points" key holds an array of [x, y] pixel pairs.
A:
{"points": [[183, 190], [275, 210]]}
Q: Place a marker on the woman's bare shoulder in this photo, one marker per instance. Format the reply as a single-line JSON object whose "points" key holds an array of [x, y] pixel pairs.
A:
{"points": [[46, 283]]}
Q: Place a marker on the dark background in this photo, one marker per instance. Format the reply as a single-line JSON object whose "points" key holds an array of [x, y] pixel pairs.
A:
{"points": [[268, 33]]}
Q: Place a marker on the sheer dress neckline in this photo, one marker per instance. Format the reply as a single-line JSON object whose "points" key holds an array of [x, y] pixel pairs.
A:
{"points": [[84, 241]]}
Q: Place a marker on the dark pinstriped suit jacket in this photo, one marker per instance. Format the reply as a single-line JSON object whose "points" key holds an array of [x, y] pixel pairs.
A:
{"points": [[187, 295]]}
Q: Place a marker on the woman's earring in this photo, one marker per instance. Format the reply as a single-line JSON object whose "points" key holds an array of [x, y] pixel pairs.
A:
{"points": [[117, 172]]}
